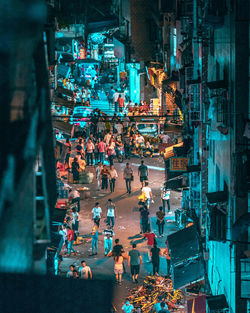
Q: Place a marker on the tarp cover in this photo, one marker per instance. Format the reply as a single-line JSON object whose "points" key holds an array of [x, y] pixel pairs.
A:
{"points": [[217, 197], [217, 302], [188, 273], [183, 244]]}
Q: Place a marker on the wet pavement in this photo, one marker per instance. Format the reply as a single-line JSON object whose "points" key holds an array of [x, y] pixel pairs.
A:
{"points": [[127, 225]]}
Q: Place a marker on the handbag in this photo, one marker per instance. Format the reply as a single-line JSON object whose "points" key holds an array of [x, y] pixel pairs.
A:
{"points": [[132, 177]]}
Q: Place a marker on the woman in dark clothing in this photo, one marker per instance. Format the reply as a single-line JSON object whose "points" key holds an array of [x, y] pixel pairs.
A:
{"points": [[155, 258], [75, 171], [160, 221]]}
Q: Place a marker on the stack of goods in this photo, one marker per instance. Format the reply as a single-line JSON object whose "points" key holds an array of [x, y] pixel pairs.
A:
{"points": [[146, 296]]}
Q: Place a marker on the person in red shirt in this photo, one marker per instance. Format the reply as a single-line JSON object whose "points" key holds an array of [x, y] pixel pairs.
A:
{"points": [[102, 149], [121, 103], [70, 237], [151, 240]]}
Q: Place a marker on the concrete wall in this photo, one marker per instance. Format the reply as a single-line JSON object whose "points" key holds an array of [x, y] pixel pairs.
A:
{"points": [[140, 15]]}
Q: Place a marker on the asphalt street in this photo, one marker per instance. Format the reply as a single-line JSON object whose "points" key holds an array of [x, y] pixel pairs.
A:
{"points": [[127, 225]]}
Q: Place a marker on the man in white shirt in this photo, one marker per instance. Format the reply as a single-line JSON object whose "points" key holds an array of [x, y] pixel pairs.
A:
{"points": [[140, 139], [119, 128], [74, 197], [125, 122], [96, 211], [85, 271], [165, 197], [148, 193], [115, 100]]}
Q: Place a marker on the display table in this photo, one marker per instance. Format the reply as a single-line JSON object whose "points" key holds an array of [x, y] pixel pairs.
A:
{"points": [[84, 193]]}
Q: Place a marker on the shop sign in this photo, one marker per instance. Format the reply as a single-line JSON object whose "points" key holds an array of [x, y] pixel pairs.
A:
{"points": [[178, 164]]}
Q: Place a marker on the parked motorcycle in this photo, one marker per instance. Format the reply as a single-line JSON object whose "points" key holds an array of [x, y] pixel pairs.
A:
{"points": [[120, 154]]}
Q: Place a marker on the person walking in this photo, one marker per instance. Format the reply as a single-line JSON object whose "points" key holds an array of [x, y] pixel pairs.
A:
{"points": [[125, 122], [118, 267], [85, 271], [150, 236], [89, 152], [96, 153], [117, 250], [75, 171], [128, 176], [94, 236], [74, 197], [143, 173], [165, 197], [111, 213], [70, 237], [148, 192], [113, 176], [98, 174], [155, 258], [126, 140], [121, 103], [97, 211], [110, 97], [144, 220], [75, 220], [102, 150], [108, 240], [160, 215], [105, 175], [115, 100], [111, 152], [134, 261]]}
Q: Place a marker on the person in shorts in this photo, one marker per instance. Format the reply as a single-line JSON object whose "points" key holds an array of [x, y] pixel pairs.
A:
{"points": [[134, 261], [118, 268], [143, 173]]}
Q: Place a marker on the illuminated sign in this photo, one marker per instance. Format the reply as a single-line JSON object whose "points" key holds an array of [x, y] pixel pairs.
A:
{"points": [[178, 164]]}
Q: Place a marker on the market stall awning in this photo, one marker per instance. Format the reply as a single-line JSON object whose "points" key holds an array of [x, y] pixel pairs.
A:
{"points": [[188, 273], [177, 182], [65, 57], [104, 25], [62, 126], [63, 102], [183, 244], [217, 197], [62, 69], [65, 91], [218, 84], [217, 302]]}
